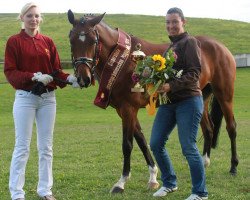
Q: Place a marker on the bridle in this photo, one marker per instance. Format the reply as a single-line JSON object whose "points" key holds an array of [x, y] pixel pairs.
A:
{"points": [[91, 63]]}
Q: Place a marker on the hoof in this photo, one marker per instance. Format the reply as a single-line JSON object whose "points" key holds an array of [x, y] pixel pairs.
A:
{"points": [[116, 190], [206, 161], [153, 186], [233, 171]]}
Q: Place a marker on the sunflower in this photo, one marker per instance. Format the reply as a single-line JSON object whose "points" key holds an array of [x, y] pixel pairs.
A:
{"points": [[159, 62]]}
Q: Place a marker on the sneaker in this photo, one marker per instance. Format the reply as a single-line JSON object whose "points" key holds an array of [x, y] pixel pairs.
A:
{"points": [[196, 197], [48, 197], [163, 191]]}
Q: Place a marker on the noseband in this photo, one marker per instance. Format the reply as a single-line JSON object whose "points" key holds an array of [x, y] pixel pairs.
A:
{"points": [[91, 63]]}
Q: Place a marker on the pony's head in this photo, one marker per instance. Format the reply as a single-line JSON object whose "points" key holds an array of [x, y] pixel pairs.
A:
{"points": [[85, 47]]}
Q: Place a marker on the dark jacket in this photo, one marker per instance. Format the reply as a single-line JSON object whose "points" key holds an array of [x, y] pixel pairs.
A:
{"points": [[188, 52]]}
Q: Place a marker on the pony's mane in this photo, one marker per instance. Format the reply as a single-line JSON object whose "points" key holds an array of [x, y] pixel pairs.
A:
{"points": [[88, 15], [85, 17]]}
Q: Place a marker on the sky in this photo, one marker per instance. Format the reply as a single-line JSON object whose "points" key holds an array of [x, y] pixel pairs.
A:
{"points": [[218, 9]]}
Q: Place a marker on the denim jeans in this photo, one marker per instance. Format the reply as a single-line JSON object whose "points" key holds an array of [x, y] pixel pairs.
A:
{"points": [[28, 108], [186, 115]]}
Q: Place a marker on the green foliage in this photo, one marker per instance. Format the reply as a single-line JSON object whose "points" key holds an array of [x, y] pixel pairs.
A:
{"points": [[233, 34], [155, 69], [88, 155]]}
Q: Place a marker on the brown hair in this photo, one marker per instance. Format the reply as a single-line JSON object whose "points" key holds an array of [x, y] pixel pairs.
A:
{"points": [[176, 10]]}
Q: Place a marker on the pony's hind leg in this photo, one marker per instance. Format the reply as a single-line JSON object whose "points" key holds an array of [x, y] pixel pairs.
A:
{"points": [[207, 131], [226, 105], [231, 129], [207, 126], [234, 159]]}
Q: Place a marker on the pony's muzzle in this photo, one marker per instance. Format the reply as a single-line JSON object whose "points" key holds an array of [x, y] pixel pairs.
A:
{"points": [[84, 83]]}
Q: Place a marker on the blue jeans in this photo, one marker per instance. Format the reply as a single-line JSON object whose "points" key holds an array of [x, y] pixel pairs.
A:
{"points": [[187, 115]]}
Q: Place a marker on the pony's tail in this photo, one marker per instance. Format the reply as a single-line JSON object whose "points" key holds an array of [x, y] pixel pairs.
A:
{"points": [[216, 117]]}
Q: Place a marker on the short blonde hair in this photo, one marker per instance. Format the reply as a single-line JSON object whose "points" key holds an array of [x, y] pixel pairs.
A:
{"points": [[26, 8]]}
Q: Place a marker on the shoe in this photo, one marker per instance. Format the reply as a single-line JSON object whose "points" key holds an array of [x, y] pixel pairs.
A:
{"points": [[163, 191], [20, 199], [48, 197], [196, 197]]}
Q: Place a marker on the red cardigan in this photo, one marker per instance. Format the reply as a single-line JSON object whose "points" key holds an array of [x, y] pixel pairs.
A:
{"points": [[25, 55]]}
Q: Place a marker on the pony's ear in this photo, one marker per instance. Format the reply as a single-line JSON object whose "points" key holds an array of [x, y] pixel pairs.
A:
{"points": [[71, 17], [96, 20]]}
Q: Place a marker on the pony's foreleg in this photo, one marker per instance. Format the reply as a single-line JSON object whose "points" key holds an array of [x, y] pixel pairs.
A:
{"points": [[153, 183], [119, 186], [141, 141], [127, 146], [206, 160]]}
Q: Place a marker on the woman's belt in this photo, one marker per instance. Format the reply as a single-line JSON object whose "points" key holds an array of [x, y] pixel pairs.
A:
{"points": [[39, 88]]}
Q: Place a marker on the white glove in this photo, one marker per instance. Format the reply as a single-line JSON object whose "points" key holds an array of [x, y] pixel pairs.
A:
{"points": [[36, 75], [72, 79], [44, 78]]}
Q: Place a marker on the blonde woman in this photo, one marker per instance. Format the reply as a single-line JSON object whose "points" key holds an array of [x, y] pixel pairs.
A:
{"points": [[30, 59]]}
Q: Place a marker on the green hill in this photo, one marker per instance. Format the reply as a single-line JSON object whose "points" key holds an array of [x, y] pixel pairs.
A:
{"points": [[234, 34]]}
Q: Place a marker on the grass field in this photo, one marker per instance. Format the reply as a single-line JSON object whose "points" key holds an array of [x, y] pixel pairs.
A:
{"points": [[88, 155]]}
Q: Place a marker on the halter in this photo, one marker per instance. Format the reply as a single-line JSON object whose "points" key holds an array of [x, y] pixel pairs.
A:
{"points": [[90, 62]]}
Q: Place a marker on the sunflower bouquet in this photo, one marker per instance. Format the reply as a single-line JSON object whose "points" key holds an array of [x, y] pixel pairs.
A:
{"points": [[152, 71]]}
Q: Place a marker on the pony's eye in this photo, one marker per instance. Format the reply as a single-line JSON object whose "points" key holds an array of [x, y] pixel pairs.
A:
{"points": [[82, 37]]}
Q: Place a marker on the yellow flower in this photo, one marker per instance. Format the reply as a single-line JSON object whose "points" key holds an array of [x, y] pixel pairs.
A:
{"points": [[153, 71], [159, 61]]}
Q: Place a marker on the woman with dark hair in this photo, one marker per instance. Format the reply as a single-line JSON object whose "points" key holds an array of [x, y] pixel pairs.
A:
{"points": [[184, 109]]}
